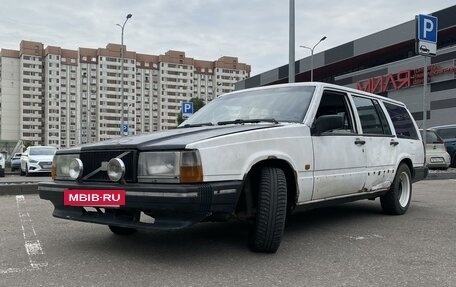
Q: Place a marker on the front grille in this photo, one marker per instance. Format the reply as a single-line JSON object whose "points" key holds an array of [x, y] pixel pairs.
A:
{"points": [[95, 163], [45, 164]]}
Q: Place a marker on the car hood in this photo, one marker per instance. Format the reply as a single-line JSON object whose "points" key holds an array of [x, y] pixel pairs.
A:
{"points": [[173, 139]]}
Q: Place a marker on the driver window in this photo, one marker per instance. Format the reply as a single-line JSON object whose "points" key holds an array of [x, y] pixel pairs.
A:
{"points": [[336, 103]]}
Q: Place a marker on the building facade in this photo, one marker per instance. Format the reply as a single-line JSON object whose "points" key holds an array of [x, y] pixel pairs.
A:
{"points": [[60, 97], [386, 63]]}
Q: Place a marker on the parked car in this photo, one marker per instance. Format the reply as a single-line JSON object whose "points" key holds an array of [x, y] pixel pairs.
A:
{"points": [[37, 159], [16, 162], [2, 165], [436, 155], [255, 155], [448, 134]]}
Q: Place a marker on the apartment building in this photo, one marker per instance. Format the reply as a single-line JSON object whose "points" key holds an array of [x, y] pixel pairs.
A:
{"points": [[61, 97]]}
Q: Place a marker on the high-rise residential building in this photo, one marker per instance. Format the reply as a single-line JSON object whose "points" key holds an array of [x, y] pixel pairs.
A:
{"points": [[61, 97]]}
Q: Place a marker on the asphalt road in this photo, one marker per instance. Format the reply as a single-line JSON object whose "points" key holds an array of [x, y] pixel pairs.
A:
{"points": [[347, 245]]}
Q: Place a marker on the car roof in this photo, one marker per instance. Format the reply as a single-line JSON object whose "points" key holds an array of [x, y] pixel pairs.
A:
{"points": [[319, 85], [444, 126]]}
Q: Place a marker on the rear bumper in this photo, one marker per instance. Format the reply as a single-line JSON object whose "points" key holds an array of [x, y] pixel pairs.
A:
{"points": [[172, 206], [420, 173]]}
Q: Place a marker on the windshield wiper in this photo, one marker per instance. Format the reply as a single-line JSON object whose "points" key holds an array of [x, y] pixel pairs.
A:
{"points": [[249, 121], [197, 125]]}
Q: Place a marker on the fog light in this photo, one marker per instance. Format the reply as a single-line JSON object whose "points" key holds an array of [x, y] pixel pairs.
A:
{"points": [[116, 169], [75, 169]]}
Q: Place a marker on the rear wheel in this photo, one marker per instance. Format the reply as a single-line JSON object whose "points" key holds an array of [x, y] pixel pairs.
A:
{"points": [[397, 200], [267, 230]]}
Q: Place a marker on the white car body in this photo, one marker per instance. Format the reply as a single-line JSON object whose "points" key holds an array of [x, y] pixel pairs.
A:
{"points": [[255, 154], [2, 165], [37, 159], [436, 153], [334, 161]]}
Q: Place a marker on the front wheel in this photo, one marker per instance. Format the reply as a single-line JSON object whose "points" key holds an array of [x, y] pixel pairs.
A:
{"points": [[397, 200], [267, 230]]}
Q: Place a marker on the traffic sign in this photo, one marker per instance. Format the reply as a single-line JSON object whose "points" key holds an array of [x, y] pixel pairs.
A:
{"points": [[187, 109], [125, 129], [426, 35]]}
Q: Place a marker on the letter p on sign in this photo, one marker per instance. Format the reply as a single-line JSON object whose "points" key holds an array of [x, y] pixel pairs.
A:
{"points": [[427, 28]]}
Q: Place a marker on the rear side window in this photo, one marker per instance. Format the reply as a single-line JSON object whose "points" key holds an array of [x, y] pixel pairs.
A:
{"points": [[372, 118], [403, 123]]}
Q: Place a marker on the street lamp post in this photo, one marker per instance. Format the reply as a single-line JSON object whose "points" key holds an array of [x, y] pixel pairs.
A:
{"points": [[311, 56], [83, 77], [122, 99]]}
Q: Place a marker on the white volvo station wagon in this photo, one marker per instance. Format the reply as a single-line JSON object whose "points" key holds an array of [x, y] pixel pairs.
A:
{"points": [[255, 154]]}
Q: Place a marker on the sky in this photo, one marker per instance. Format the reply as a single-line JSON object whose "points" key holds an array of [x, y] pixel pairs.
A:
{"points": [[255, 31]]}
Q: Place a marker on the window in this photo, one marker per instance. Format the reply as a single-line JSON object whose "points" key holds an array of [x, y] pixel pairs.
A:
{"points": [[336, 103], [372, 118], [402, 122]]}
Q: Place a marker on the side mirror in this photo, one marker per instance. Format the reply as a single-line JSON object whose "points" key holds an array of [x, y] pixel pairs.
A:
{"points": [[327, 123]]}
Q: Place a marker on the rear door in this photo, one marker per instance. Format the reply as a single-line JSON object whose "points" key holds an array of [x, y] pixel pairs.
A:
{"points": [[381, 146], [339, 155]]}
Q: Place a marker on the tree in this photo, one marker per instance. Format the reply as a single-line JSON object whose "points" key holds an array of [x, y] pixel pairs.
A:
{"points": [[197, 104]]}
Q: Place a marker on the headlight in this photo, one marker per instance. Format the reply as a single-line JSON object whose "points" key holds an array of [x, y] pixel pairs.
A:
{"points": [[76, 168], [61, 166], [33, 161], [184, 167], [116, 169]]}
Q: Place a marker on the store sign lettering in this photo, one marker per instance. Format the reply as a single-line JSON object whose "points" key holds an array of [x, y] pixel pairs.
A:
{"points": [[402, 79]]}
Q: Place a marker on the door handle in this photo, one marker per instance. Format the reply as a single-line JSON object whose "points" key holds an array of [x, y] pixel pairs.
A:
{"points": [[360, 142], [394, 143]]}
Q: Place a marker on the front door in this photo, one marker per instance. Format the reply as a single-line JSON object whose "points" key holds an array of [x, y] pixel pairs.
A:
{"points": [[339, 155]]}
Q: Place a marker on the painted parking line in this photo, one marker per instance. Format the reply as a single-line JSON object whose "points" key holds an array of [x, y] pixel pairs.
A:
{"points": [[35, 253]]}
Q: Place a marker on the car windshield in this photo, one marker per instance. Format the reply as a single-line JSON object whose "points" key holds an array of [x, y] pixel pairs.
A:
{"points": [[447, 133], [42, 151], [281, 104]]}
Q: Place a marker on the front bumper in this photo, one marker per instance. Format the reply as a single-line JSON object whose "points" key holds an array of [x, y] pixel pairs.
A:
{"points": [[172, 206], [38, 168]]}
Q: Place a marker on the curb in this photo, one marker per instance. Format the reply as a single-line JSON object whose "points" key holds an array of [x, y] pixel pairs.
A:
{"points": [[441, 175], [18, 189]]}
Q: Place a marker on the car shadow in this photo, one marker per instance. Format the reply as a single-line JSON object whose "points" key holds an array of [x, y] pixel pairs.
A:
{"points": [[208, 240]]}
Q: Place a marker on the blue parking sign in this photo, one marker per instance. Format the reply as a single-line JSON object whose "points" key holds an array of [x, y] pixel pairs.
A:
{"points": [[427, 28], [187, 109]]}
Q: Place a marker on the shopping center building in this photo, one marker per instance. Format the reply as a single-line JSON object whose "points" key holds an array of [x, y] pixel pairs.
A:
{"points": [[386, 63]]}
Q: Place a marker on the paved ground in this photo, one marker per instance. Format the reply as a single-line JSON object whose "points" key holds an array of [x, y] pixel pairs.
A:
{"points": [[347, 245]]}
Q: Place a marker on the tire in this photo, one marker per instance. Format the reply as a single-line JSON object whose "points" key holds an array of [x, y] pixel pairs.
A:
{"points": [[22, 172], [453, 162], [267, 230], [397, 200], [2, 173], [122, 230], [26, 171]]}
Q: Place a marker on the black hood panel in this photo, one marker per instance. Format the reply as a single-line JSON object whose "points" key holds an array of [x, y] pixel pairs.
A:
{"points": [[175, 139]]}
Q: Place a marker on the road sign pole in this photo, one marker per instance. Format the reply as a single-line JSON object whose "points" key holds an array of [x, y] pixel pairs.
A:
{"points": [[424, 98]]}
